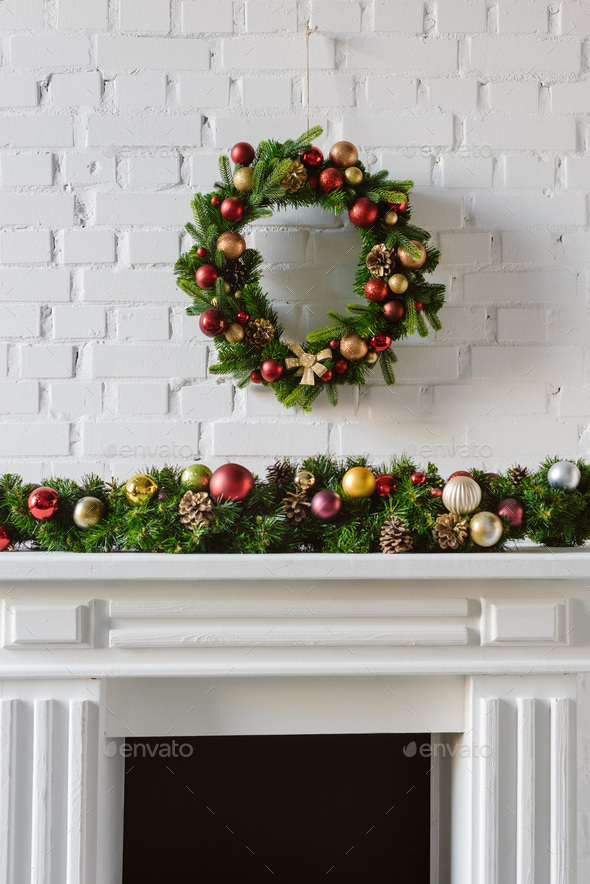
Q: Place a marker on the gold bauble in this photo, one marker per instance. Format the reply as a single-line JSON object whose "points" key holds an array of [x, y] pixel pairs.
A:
{"points": [[344, 154], [390, 218], [243, 179], [196, 477], [304, 480], [398, 283], [214, 302], [234, 333], [461, 495], [486, 529], [233, 245], [354, 175], [358, 482], [406, 259], [227, 288], [237, 294], [140, 489], [353, 347], [88, 512], [371, 357]]}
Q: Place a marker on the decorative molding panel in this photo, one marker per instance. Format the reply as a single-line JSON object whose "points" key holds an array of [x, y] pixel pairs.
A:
{"points": [[34, 624], [525, 622]]}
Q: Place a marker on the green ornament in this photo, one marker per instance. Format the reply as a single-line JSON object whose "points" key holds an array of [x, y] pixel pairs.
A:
{"points": [[196, 477]]}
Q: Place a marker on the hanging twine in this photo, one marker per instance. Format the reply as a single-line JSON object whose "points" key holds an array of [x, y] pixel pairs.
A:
{"points": [[308, 32]]}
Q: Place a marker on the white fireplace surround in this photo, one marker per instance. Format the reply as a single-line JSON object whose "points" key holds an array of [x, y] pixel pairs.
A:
{"points": [[489, 650]]}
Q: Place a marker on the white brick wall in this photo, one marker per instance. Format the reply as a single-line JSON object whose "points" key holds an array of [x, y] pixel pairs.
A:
{"points": [[112, 113]]}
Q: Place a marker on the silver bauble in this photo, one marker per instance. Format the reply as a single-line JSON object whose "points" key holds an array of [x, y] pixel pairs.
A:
{"points": [[564, 475], [88, 512], [486, 529]]}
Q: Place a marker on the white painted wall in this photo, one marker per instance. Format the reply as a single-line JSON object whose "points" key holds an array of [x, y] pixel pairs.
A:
{"points": [[114, 111]]}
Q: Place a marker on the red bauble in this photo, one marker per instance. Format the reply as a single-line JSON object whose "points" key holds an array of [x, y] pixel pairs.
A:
{"points": [[394, 311], [364, 212], [341, 366], [271, 370], [313, 181], [418, 478], [4, 539], [312, 157], [331, 179], [418, 305], [201, 252], [243, 317], [459, 473], [385, 485], [206, 276], [398, 207], [213, 322], [327, 375], [215, 201], [231, 482], [242, 153], [325, 505], [334, 344], [376, 290], [491, 476], [513, 510], [436, 492], [380, 343], [255, 377], [43, 503], [232, 208]]}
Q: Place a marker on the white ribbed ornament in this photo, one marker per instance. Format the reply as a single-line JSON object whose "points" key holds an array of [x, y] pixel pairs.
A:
{"points": [[461, 495]]}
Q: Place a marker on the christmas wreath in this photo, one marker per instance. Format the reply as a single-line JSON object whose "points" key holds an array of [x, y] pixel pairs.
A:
{"points": [[222, 275]]}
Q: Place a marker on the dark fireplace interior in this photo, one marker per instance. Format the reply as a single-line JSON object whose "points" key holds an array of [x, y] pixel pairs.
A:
{"points": [[347, 808]]}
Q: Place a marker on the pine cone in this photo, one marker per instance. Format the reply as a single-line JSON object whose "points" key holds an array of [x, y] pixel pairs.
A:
{"points": [[259, 333], [379, 260], [296, 506], [234, 272], [450, 531], [296, 177], [395, 537], [517, 475], [196, 508], [280, 473]]}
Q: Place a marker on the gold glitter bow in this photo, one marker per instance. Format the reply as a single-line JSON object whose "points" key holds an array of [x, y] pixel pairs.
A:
{"points": [[308, 364]]}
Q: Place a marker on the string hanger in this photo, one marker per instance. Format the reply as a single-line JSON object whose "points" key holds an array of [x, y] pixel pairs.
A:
{"points": [[308, 32]]}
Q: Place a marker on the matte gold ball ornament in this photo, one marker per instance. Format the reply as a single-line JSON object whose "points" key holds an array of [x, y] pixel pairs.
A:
{"points": [[344, 154], [371, 357], [235, 333], [398, 283], [486, 529], [354, 175], [227, 288], [233, 245], [140, 489], [390, 218], [358, 482], [243, 179], [304, 480], [407, 260], [353, 347], [461, 495], [88, 512]]}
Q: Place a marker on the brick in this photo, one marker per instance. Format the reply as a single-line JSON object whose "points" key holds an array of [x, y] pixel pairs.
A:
{"points": [[46, 361], [207, 17], [458, 17], [20, 397], [436, 209], [48, 50], [507, 211], [148, 16], [142, 441], [422, 363], [151, 247], [172, 130], [36, 132], [144, 170], [576, 249], [519, 364], [399, 16], [513, 98], [418, 440], [89, 247], [331, 90], [130, 285], [506, 133], [570, 98], [278, 249], [53, 210], [21, 15], [466, 248], [141, 89], [76, 89], [89, 167], [204, 169], [526, 287], [3, 359], [528, 54], [523, 18], [199, 401], [492, 400], [20, 321], [145, 361], [143, 324], [18, 90], [527, 247], [26, 247], [255, 438], [529, 173], [574, 19], [418, 130], [330, 247], [75, 399], [569, 326], [262, 92], [34, 285], [82, 15], [461, 325], [203, 90], [254, 129], [395, 93], [270, 53], [467, 171], [520, 324], [416, 168], [451, 94], [342, 16], [79, 321], [152, 53], [534, 439], [143, 398], [263, 17], [574, 401], [42, 439], [409, 402], [411, 54], [26, 169], [142, 209]]}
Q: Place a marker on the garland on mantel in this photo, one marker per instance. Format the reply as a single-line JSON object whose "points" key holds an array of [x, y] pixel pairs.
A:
{"points": [[319, 505]]}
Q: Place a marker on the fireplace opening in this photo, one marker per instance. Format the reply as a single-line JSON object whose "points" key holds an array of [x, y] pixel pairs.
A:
{"points": [[337, 807]]}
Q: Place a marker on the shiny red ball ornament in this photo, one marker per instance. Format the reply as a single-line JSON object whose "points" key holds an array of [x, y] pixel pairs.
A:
{"points": [[232, 208], [394, 311], [418, 478], [327, 375], [436, 492], [213, 323], [206, 276], [419, 305], [459, 473], [255, 377], [512, 510], [271, 370], [243, 317], [385, 485], [341, 366], [376, 290], [215, 201], [363, 212], [242, 153], [201, 252], [312, 157], [398, 207], [43, 503], [325, 505], [331, 179], [4, 539], [491, 476], [231, 482], [380, 343], [334, 344]]}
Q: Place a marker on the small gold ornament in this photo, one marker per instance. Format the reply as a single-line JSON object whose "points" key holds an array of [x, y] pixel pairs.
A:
{"points": [[214, 302], [390, 218], [371, 357], [398, 283], [406, 260], [461, 495], [233, 245], [140, 489], [227, 288], [307, 364], [358, 482], [344, 154], [304, 480], [353, 175], [486, 529], [196, 477], [353, 347], [237, 295], [296, 177], [259, 333], [235, 333], [243, 179], [379, 260], [88, 512]]}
